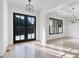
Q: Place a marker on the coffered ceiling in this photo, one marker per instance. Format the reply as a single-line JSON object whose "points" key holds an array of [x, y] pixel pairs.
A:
{"points": [[38, 4], [63, 7], [66, 8]]}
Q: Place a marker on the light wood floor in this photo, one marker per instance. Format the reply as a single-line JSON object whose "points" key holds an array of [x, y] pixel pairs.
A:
{"points": [[57, 48]]}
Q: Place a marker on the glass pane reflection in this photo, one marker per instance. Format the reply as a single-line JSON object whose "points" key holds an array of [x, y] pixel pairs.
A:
{"points": [[19, 27]]}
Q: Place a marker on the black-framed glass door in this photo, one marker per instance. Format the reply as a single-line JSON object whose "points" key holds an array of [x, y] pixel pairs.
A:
{"points": [[24, 27]]}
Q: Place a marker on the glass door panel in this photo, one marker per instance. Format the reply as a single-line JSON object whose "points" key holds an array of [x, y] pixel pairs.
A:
{"points": [[60, 26], [19, 27], [30, 29]]}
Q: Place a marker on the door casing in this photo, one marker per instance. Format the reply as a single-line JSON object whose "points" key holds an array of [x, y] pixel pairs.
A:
{"points": [[14, 40]]}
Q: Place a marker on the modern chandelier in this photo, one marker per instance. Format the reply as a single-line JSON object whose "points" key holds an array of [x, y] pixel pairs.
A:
{"points": [[29, 7], [74, 18]]}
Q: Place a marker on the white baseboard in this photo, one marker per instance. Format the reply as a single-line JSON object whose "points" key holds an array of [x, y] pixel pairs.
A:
{"points": [[56, 38], [1, 56], [73, 37], [4, 52]]}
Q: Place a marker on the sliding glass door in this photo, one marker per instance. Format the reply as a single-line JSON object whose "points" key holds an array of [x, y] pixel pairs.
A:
{"points": [[24, 27]]}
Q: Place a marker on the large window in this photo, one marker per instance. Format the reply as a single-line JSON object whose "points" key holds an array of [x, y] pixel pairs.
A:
{"points": [[55, 26]]}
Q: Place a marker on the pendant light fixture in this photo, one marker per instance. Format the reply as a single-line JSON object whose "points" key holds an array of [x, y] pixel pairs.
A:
{"points": [[29, 7], [74, 18]]}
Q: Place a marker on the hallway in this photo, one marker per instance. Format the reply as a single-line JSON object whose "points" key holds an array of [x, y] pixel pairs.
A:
{"points": [[62, 48]]}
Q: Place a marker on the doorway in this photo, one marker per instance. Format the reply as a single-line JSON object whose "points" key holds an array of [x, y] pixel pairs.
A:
{"points": [[24, 27]]}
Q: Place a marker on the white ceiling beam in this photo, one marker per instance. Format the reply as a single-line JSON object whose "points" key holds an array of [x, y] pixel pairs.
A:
{"points": [[58, 6]]}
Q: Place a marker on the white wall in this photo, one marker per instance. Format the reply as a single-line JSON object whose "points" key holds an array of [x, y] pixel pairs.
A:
{"points": [[72, 30], [17, 10], [3, 26], [43, 36], [54, 36], [44, 26], [0, 27]]}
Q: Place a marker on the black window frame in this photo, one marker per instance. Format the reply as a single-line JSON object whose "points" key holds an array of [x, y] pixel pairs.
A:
{"points": [[57, 21]]}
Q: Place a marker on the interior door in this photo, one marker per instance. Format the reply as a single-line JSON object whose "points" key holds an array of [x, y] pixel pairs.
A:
{"points": [[24, 27]]}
